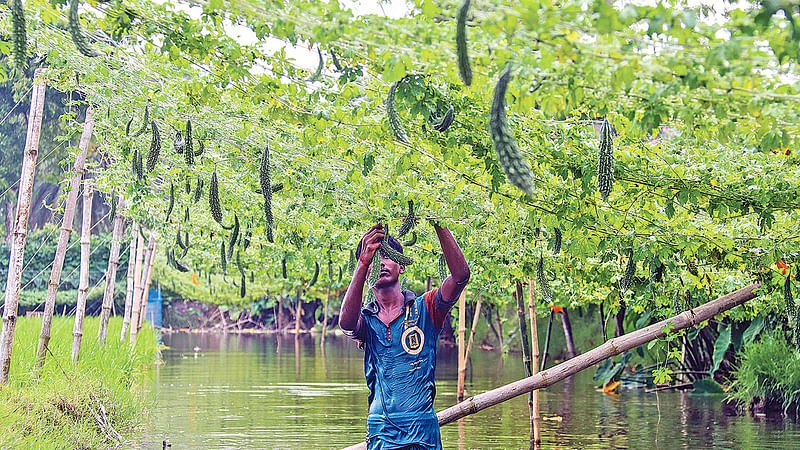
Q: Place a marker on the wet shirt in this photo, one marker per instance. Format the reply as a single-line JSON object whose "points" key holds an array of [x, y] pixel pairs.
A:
{"points": [[399, 365]]}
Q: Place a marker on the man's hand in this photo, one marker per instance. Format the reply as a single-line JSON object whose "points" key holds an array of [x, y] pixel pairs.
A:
{"points": [[370, 243]]}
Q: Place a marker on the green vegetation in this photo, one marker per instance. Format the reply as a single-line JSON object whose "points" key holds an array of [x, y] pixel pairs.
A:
{"points": [[61, 408], [769, 374]]}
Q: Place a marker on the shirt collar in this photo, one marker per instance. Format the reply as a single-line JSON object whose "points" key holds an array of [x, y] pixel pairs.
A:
{"points": [[373, 307]]}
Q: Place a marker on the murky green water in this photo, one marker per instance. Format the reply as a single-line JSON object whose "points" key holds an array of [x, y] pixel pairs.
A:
{"points": [[271, 391]]}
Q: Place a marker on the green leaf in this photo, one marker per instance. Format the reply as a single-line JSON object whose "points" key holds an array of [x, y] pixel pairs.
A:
{"points": [[720, 348], [753, 330], [707, 386]]}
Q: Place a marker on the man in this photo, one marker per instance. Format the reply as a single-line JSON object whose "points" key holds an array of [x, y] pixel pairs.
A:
{"points": [[399, 332]]}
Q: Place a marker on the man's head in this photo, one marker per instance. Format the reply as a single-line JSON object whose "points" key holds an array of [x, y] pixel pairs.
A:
{"points": [[390, 270]]}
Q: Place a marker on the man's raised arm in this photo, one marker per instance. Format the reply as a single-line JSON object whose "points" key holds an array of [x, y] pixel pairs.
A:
{"points": [[457, 265], [350, 313]]}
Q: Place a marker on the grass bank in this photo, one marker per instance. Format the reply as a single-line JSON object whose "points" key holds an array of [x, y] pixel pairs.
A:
{"points": [[70, 405]]}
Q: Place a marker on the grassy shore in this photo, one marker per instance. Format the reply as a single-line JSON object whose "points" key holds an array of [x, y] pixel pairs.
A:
{"points": [[70, 405]]}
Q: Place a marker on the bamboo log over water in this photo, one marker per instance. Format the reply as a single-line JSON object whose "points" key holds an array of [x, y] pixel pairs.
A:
{"points": [[16, 258], [83, 284], [63, 238], [126, 316], [149, 278], [462, 348], [111, 272], [138, 289], [607, 350]]}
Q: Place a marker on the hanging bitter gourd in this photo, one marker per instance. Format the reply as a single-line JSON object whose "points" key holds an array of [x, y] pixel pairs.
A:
{"points": [[408, 222], [464, 68], [19, 35], [198, 190], [394, 117], [788, 298], [514, 164], [544, 284], [314, 277], [676, 302], [556, 241], [315, 76], [178, 143], [374, 270], [213, 199], [201, 148], [351, 263], [605, 161], [138, 170], [188, 152], [266, 188], [78, 37], [243, 288], [283, 268], [441, 124], [234, 235], [443, 272], [171, 203], [223, 258], [630, 271], [394, 255], [155, 147], [411, 241]]}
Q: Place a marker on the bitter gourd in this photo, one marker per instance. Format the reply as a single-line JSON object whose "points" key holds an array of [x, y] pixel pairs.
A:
{"points": [[19, 35], [408, 222], [266, 189], [541, 280], [464, 68], [155, 147], [78, 36], [394, 117], [213, 199], [605, 162]]}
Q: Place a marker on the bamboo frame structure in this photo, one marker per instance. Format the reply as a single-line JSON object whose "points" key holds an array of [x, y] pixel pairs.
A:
{"points": [[16, 258], [111, 272], [475, 318], [78, 170], [83, 284], [536, 419], [132, 251], [138, 289], [608, 349], [462, 350], [149, 278]]}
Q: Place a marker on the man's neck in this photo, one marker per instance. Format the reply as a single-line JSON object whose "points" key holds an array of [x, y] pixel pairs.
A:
{"points": [[389, 297]]}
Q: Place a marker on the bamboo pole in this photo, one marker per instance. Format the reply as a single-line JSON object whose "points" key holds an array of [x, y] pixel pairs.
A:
{"points": [[525, 339], [16, 258], [462, 347], [149, 278], [83, 284], [610, 348], [567, 325], [138, 288], [298, 313], [126, 315], [535, 417], [474, 325], [63, 238], [325, 314], [111, 272]]}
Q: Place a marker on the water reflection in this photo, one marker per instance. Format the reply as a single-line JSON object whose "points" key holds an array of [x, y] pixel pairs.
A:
{"points": [[286, 391]]}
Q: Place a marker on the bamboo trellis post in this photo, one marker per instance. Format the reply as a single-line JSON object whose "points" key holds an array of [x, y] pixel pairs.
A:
{"points": [[325, 313], [132, 251], [608, 349], [526, 343], [83, 284], [111, 272], [16, 257], [462, 362], [138, 289], [475, 318], [63, 238], [535, 417], [149, 278]]}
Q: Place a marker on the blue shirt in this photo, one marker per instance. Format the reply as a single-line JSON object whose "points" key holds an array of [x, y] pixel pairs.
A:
{"points": [[399, 366]]}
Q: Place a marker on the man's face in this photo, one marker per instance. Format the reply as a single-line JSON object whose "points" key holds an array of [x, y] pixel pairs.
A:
{"points": [[390, 272]]}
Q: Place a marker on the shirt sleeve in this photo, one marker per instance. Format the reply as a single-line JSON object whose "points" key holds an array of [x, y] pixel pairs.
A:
{"points": [[357, 334], [438, 309]]}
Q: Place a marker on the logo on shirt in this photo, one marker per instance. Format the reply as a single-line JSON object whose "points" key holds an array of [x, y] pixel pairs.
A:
{"points": [[412, 340]]}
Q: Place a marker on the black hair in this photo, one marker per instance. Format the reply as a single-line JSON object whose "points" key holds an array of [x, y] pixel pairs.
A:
{"points": [[394, 243]]}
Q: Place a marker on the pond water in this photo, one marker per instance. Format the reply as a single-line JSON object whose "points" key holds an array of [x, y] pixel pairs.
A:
{"points": [[275, 391]]}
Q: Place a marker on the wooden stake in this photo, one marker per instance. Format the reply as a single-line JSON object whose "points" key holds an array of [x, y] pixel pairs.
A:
{"points": [[63, 238], [83, 284], [111, 272], [474, 325], [462, 328], [16, 258], [525, 340], [535, 417], [607, 350], [149, 278], [567, 325], [126, 316], [139, 278]]}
